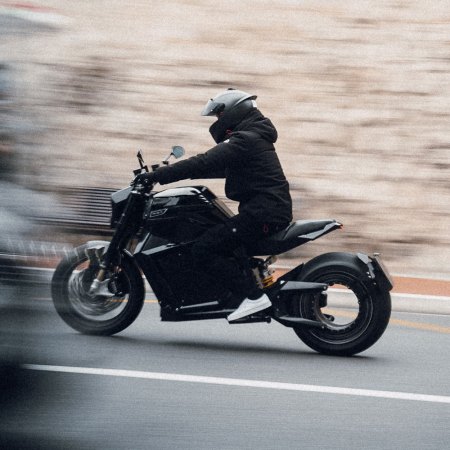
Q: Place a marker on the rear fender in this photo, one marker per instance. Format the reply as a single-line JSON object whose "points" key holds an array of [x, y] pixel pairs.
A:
{"points": [[371, 268], [377, 271]]}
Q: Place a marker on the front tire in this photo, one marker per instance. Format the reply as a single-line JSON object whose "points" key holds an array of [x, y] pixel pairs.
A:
{"points": [[96, 315], [355, 312]]}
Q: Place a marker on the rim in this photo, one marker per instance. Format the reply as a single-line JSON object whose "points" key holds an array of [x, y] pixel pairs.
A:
{"points": [[348, 310], [96, 308]]}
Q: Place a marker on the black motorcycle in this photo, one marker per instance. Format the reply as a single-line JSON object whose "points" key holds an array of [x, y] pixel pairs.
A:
{"points": [[337, 303]]}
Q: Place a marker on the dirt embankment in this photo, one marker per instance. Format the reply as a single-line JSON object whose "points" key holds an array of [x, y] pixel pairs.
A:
{"points": [[359, 91]]}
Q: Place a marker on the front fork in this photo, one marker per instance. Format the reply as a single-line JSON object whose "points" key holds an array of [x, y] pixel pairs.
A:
{"points": [[112, 255], [100, 286]]}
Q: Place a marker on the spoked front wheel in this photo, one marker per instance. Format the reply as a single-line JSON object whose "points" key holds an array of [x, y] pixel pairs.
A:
{"points": [[354, 311], [110, 310]]}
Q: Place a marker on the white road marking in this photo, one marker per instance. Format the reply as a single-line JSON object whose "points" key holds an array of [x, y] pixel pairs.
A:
{"points": [[242, 383]]}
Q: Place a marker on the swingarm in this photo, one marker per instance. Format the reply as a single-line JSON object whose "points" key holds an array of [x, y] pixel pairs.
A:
{"points": [[282, 311]]}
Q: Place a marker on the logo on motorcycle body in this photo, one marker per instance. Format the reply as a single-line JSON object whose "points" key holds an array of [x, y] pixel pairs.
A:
{"points": [[158, 212]]}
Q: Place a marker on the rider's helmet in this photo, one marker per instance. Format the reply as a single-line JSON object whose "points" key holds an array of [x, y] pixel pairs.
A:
{"points": [[230, 107]]}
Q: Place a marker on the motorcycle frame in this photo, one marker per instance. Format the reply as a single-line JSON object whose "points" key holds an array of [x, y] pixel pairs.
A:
{"points": [[172, 309]]}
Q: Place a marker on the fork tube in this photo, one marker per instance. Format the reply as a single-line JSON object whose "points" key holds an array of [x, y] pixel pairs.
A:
{"points": [[116, 240]]}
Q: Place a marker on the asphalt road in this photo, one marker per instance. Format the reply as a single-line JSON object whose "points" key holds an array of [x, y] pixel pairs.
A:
{"points": [[310, 401]]}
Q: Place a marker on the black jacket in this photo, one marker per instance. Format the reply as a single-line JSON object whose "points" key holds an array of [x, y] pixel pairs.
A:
{"points": [[251, 168]]}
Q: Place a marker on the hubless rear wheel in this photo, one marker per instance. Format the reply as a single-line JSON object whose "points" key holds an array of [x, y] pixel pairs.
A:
{"points": [[354, 311]]}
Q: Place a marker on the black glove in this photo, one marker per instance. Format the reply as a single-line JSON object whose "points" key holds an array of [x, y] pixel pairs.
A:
{"points": [[146, 178]]}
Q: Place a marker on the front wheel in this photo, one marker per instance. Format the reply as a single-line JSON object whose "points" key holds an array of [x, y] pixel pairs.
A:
{"points": [[111, 310], [354, 312]]}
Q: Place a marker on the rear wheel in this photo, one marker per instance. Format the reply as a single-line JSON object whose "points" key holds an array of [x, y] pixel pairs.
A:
{"points": [[354, 311], [110, 311]]}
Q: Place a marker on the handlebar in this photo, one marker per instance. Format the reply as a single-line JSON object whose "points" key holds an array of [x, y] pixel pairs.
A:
{"points": [[177, 152]]}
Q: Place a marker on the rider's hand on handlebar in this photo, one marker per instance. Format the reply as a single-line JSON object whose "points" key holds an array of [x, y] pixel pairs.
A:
{"points": [[146, 178]]}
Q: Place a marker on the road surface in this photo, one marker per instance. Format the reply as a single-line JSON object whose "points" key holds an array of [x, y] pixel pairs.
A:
{"points": [[210, 385]]}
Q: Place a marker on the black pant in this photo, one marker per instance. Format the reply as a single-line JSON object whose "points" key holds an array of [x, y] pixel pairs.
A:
{"points": [[213, 252]]}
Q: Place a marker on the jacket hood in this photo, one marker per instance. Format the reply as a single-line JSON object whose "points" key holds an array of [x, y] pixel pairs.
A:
{"points": [[253, 121], [256, 122]]}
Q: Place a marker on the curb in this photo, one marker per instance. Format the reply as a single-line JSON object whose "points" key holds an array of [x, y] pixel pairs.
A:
{"points": [[421, 286]]}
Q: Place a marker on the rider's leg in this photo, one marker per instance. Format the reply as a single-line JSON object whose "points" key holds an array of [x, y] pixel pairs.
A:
{"points": [[213, 254]]}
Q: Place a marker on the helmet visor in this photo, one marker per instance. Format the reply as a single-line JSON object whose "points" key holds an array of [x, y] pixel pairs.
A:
{"points": [[213, 108]]}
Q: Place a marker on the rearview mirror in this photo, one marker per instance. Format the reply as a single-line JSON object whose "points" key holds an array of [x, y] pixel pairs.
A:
{"points": [[177, 151]]}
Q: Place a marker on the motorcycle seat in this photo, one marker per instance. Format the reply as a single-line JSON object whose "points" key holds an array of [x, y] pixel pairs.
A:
{"points": [[295, 234]]}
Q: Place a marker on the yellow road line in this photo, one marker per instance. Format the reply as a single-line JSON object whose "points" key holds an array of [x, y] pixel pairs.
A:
{"points": [[420, 326], [399, 322]]}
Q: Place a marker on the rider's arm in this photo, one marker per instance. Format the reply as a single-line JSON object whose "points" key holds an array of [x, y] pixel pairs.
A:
{"points": [[211, 164]]}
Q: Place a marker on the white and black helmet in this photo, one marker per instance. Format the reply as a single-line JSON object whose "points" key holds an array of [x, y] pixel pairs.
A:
{"points": [[230, 107]]}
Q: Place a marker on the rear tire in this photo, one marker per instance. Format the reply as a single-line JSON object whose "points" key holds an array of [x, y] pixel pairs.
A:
{"points": [[96, 315], [361, 321]]}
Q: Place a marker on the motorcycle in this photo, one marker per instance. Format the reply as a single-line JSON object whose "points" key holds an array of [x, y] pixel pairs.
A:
{"points": [[337, 303]]}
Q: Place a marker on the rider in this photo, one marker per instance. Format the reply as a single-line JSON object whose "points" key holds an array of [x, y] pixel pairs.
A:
{"points": [[245, 156]]}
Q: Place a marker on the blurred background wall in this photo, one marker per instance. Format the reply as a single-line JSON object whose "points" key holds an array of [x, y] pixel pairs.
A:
{"points": [[359, 92]]}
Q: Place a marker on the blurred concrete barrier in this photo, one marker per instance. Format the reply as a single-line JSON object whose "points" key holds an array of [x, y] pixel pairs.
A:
{"points": [[26, 261], [81, 210]]}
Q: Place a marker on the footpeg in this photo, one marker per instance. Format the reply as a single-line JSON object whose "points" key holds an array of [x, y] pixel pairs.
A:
{"points": [[292, 322], [262, 318]]}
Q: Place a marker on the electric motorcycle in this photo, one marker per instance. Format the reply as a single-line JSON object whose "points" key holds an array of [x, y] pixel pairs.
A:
{"points": [[337, 303]]}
